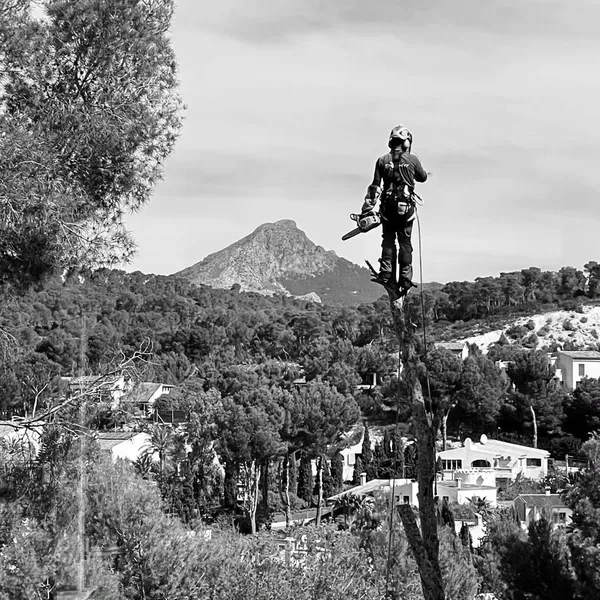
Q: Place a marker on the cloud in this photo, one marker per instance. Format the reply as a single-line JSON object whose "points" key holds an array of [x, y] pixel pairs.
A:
{"points": [[263, 21], [290, 103]]}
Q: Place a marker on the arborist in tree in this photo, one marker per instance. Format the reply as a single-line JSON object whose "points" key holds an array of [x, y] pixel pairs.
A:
{"points": [[393, 185]]}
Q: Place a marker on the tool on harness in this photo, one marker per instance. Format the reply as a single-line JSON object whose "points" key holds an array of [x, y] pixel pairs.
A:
{"points": [[400, 197], [365, 222]]}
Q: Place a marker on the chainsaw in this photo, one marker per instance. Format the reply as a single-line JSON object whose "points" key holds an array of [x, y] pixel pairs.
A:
{"points": [[365, 222]]}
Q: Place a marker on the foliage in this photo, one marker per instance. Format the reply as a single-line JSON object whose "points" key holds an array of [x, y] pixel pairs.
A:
{"points": [[83, 136]]}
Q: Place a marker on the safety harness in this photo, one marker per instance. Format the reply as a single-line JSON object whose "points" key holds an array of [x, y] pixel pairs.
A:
{"points": [[399, 195]]}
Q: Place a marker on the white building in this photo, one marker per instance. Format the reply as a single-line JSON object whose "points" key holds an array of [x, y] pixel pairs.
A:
{"points": [[460, 349], [406, 491], [461, 493], [577, 364], [531, 507], [479, 462], [127, 445]]}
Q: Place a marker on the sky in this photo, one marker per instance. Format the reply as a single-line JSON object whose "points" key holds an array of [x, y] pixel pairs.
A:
{"points": [[289, 104]]}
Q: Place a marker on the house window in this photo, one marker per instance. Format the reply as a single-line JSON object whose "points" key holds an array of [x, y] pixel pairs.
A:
{"points": [[445, 499], [562, 517], [581, 370], [451, 465], [534, 462], [405, 499]]}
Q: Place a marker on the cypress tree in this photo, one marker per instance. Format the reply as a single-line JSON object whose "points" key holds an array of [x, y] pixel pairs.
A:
{"points": [[367, 453], [337, 472], [293, 474], [410, 460], [305, 479], [379, 460], [448, 516], [230, 485], [329, 488], [358, 469], [465, 537]]}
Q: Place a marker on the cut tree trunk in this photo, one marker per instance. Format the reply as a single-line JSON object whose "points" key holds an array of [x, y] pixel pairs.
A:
{"points": [[424, 543]]}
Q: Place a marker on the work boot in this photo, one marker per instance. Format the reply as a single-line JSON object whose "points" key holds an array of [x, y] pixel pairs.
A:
{"points": [[405, 285], [383, 277]]}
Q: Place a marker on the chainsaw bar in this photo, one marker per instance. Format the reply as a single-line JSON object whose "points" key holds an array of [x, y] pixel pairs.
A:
{"points": [[351, 234]]}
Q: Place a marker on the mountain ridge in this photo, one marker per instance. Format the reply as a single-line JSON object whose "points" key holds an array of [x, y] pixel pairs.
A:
{"points": [[279, 258]]}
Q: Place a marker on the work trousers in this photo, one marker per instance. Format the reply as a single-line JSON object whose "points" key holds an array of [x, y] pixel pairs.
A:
{"points": [[397, 227]]}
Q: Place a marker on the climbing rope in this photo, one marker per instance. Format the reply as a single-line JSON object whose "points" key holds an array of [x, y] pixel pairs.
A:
{"points": [[422, 294]]}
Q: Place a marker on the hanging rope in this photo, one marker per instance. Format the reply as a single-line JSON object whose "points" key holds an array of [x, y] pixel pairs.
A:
{"points": [[422, 294]]}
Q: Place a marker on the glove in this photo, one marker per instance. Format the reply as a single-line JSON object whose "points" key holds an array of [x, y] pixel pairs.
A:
{"points": [[371, 199], [367, 207]]}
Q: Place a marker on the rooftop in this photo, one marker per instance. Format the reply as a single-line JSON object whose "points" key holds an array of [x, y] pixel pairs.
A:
{"points": [[370, 486], [142, 391], [465, 486], [451, 345], [543, 500], [107, 440], [582, 354], [494, 448]]}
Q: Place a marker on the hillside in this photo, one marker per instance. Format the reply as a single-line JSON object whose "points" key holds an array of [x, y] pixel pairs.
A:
{"points": [[560, 328]]}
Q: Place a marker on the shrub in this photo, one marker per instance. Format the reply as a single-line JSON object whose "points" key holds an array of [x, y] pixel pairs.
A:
{"points": [[531, 341], [517, 331]]}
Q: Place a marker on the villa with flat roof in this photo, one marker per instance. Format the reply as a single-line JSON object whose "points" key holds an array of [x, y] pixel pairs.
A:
{"points": [[493, 462], [577, 364]]}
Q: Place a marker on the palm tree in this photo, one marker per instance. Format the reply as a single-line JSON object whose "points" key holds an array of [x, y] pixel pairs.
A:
{"points": [[161, 441], [482, 506]]}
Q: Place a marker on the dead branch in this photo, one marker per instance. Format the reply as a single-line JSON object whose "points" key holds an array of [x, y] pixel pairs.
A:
{"points": [[98, 385]]}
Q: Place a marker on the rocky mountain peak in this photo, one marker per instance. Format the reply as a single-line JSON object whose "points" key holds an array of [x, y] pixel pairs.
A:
{"points": [[280, 258]]}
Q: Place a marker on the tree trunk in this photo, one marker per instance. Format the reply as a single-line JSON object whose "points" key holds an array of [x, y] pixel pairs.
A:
{"points": [[319, 488], [535, 432], [252, 486], [429, 571], [424, 544], [284, 487], [265, 486], [445, 429]]}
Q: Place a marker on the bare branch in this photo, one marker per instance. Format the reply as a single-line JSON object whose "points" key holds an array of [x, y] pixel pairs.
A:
{"points": [[89, 392]]}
